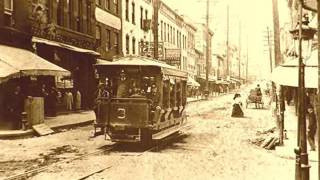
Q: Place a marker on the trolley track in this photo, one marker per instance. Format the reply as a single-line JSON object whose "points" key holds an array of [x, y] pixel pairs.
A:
{"points": [[155, 147], [36, 171]]}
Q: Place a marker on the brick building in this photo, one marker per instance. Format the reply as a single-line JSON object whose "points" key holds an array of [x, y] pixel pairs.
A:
{"points": [[109, 28]]}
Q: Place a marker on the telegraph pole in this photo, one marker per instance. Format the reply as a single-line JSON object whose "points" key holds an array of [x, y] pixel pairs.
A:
{"points": [[156, 4], [228, 70], [270, 48], [276, 32], [207, 54], [239, 50], [247, 60]]}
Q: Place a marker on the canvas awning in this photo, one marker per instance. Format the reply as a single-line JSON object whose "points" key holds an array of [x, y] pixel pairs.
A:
{"points": [[16, 62], [62, 45], [287, 73], [192, 82]]}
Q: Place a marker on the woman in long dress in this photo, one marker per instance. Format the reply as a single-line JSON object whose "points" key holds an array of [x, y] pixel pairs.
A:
{"points": [[237, 106]]}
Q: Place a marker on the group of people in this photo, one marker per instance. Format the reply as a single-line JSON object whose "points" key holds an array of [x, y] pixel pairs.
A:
{"points": [[15, 102], [126, 88]]}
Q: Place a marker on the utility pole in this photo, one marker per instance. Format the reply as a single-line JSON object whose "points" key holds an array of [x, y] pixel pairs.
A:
{"points": [[156, 4], [239, 62], [318, 93], [247, 60], [270, 48], [228, 70], [276, 32], [207, 52]]}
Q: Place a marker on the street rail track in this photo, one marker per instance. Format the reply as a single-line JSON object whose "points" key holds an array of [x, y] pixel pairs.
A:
{"points": [[33, 172], [156, 146]]}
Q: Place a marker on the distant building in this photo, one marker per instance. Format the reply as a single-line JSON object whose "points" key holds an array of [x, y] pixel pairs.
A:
{"points": [[201, 46]]}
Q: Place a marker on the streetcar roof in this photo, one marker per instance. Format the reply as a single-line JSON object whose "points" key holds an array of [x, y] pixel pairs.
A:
{"points": [[143, 61]]}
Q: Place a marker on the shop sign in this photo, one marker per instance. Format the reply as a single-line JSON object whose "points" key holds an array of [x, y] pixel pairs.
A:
{"points": [[147, 48], [173, 56]]}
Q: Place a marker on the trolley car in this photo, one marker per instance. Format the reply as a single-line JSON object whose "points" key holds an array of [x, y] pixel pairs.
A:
{"points": [[146, 99]]}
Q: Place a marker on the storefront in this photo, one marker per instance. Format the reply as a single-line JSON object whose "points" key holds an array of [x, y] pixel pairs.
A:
{"points": [[20, 67], [79, 62]]}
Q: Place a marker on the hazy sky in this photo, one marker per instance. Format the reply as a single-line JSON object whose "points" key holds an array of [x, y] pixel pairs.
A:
{"points": [[254, 15]]}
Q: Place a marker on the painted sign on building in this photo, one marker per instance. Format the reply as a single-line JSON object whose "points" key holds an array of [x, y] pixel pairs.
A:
{"points": [[173, 56], [146, 49]]}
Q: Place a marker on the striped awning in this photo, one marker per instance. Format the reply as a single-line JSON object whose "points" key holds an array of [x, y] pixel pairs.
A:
{"points": [[16, 62]]}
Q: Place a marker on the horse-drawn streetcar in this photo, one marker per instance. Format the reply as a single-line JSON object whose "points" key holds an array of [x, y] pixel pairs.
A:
{"points": [[146, 99]]}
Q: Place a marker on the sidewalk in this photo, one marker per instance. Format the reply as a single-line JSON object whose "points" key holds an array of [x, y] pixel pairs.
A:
{"points": [[287, 150], [60, 121]]}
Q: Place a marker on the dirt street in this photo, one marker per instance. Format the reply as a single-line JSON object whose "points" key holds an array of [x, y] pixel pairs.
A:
{"points": [[217, 147]]}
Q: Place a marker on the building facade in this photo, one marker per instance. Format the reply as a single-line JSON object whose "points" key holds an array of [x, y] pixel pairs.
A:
{"points": [[59, 31], [173, 36], [137, 35], [64, 33], [108, 28], [201, 46]]}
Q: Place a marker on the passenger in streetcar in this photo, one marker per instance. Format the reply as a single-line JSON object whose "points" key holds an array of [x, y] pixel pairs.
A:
{"points": [[123, 87]]}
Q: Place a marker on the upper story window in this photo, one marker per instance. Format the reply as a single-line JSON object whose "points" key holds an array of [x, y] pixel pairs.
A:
{"points": [[127, 10], [107, 38], [127, 44], [141, 17], [78, 17], [89, 18], [133, 13], [98, 35], [98, 2], [116, 42], [161, 30], [133, 45], [60, 12], [8, 12], [107, 4], [146, 14], [116, 8]]}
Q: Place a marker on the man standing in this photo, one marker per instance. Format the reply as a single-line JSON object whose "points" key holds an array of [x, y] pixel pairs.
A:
{"points": [[15, 107], [312, 123], [123, 87]]}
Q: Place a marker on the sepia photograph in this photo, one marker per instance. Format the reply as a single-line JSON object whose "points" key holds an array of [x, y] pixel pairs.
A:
{"points": [[159, 89]]}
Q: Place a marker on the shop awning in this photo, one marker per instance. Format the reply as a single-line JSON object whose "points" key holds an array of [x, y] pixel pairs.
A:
{"points": [[192, 82], [62, 45], [287, 73], [15, 62]]}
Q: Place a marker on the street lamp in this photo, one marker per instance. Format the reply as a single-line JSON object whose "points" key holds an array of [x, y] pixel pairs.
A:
{"points": [[302, 35]]}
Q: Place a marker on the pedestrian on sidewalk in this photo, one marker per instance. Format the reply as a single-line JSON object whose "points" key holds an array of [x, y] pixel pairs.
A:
{"points": [[312, 123], [15, 106], [237, 110]]}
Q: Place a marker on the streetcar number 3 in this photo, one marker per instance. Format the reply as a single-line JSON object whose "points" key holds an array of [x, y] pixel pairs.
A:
{"points": [[121, 113]]}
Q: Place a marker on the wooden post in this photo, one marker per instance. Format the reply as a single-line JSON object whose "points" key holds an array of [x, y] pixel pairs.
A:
{"points": [[156, 4]]}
